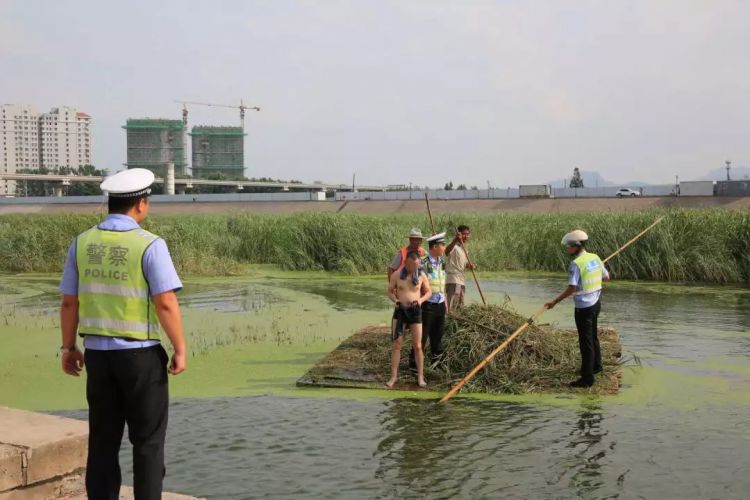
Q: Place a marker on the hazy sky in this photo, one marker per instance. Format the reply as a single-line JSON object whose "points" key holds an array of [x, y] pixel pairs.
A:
{"points": [[405, 91]]}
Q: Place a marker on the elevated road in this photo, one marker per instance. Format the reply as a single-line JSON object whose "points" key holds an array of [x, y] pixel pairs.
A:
{"points": [[67, 180]]}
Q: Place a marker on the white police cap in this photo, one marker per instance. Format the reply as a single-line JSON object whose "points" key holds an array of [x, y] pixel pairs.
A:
{"points": [[437, 238], [128, 183]]}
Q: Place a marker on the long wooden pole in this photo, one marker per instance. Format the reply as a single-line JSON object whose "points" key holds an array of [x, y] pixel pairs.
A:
{"points": [[429, 212], [636, 238], [528, 323], [473, 273]]}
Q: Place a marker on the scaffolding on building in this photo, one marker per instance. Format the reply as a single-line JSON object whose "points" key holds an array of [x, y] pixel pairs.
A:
{"points": [[218, 150], [153, 143]]}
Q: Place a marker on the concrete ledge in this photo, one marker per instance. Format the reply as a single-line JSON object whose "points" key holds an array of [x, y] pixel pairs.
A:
{"points": [[67, 487], [44, 457], [49, 447], [11, 467], [71, 487]]}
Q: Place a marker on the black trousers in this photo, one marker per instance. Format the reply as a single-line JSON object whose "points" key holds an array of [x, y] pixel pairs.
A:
{"points": [[126, 386], [588, 340], [433, 327]]}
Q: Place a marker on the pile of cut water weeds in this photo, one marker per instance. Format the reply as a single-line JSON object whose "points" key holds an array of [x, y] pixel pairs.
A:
{"points": [[542, 359]]}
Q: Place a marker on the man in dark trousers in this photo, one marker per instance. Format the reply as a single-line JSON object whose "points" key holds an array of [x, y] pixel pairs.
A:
{"points": [[118, 288], [585, 276], [434, 309]]}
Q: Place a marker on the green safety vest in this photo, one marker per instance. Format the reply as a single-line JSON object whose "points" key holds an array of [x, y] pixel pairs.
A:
{"points": [[113, 294], [590, 266], [436, 276]]}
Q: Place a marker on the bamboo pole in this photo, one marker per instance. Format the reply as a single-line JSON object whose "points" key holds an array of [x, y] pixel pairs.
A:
{"points": [[528, 323], [429, 212], [473, 273], [626, 245]]}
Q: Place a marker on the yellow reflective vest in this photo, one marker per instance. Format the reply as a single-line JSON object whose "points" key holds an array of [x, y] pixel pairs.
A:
{"points": [[113, 294], [590, 266], [435, 275]]}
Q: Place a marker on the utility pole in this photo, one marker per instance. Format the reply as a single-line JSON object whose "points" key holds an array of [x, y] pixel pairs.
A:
{"points": [[728, 166], [354, 176]]}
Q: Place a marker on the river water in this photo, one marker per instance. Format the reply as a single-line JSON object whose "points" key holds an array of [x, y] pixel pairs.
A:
{"points": [[679, 428]]}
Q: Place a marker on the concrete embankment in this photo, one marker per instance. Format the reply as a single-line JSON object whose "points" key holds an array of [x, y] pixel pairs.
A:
{"points": [[44, 457], [530, 205]]}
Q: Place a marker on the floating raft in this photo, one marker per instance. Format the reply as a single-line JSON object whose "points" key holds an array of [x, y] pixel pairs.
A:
{"points": [[542, 360]]}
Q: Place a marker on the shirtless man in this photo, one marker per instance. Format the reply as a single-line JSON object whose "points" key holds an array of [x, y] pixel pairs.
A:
{"points": [[408, 288]]}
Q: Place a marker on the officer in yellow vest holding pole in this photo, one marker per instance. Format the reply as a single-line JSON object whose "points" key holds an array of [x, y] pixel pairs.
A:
{"points": [[585, 276], [118, 289]]}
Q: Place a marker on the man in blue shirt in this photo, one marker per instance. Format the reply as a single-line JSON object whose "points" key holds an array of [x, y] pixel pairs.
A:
{"points": [[585, 276], [435, 308], [109, 294]]}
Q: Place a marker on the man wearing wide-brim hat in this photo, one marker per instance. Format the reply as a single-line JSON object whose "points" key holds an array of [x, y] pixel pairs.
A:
{"points": [[118, 289], [415, 244]]}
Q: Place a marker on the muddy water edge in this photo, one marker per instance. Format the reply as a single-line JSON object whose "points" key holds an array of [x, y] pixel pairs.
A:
{"points": [[239, 428]]}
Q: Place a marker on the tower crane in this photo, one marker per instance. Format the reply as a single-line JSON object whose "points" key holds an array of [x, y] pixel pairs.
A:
{"points": [[241, 107]]}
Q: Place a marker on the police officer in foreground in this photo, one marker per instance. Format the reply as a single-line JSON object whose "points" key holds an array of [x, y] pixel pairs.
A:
{"points": [[585, 275], [118, 288]]}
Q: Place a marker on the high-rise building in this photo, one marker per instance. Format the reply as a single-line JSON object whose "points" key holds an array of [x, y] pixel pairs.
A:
{"points": [[65, 138], [218, 150], [28, 140], [19, 141], [152, 143]]}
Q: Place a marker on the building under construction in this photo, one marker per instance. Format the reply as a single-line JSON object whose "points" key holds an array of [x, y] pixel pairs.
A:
{"points": [[218, 150], [153, 143]]}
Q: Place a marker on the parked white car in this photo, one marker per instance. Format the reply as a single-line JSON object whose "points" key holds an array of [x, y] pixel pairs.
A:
{"points": [[627, 192]]}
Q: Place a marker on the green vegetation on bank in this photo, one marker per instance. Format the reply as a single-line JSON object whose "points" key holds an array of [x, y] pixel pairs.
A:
{"points": [[689, 245]]}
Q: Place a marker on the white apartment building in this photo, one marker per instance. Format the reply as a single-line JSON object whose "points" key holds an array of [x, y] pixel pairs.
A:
{"points": [[60, 138], [19, 141], [65, 138]]}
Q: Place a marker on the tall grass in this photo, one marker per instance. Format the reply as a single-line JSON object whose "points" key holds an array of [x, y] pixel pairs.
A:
{"points": [[689, 245]]}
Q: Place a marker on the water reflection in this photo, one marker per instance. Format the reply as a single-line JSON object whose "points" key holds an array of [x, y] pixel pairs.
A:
{"points": [[240, 297], [342, 294], [586, 440]]}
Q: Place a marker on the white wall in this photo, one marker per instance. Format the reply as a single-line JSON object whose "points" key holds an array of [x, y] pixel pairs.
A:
{"points": [[609, 192]]}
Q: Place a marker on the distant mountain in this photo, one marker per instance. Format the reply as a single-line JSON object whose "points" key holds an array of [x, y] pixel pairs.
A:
{"points": [[720, 174], [594, 179]]}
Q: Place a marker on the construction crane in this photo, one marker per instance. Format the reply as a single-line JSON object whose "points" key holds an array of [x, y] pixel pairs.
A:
{"points": [[241, 107]]}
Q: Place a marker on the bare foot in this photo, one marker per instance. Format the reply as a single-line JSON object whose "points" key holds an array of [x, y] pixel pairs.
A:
{"points": [[391, 383], [422, 383]]}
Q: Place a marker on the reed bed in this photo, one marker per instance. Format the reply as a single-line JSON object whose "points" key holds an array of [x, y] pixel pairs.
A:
{"points": [[711, 245], [542, 359]]}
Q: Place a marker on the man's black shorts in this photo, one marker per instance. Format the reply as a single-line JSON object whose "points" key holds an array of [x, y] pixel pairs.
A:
{"points": [[406, 316]]}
